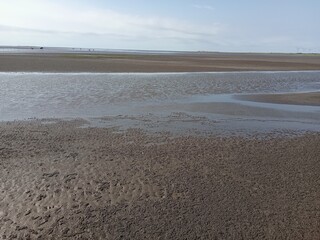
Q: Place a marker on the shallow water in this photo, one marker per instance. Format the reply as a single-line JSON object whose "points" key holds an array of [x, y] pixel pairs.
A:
{"points": [[132, 96]]}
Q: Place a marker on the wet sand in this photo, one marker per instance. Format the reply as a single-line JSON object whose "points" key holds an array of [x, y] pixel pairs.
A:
{"points": [[59, 181], [183, 62], [311, 99]]}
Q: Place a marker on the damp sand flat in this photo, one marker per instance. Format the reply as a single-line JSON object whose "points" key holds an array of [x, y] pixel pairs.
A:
{"points": [[61, 181], [46, 61]]}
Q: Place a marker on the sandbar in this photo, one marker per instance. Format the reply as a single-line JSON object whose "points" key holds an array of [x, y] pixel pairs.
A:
{"points": [[311, 99], [183, 62]]}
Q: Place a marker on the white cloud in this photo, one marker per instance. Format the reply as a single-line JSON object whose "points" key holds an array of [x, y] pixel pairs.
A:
{"points": [[68, 23], [205, 7], [47, 17]]}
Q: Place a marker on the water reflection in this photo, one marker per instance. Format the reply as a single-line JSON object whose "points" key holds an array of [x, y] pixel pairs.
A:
{"points": [[86, 95]]}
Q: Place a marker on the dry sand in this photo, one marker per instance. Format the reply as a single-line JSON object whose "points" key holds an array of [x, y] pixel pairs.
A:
{"points": [[311, 99], [184, 62], [59, 181]]}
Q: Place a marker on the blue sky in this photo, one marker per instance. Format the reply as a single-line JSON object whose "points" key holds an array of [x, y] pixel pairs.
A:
{"points": [[228, 25]]}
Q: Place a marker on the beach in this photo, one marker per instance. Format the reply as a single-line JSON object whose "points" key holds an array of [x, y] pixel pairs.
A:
{"points": [[189, 146], [183, 62], [60, 181]]}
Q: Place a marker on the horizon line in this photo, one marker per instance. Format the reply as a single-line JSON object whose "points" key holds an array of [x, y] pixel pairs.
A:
{"points": [[99, 49]]}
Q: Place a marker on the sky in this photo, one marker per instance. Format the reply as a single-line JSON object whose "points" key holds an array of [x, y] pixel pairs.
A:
{"points": [[178, 25]]}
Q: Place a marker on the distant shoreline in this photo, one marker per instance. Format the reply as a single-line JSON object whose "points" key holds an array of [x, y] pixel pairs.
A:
{"points": [[46, 49], [152, 63]]}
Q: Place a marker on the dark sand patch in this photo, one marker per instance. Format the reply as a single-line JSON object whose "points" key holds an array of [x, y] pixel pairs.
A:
{"points": [[311, 99], [59, 181], [184, 62]]}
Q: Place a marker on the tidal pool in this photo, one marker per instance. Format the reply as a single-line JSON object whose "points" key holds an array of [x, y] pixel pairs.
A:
{"points": [[184, 102]]}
